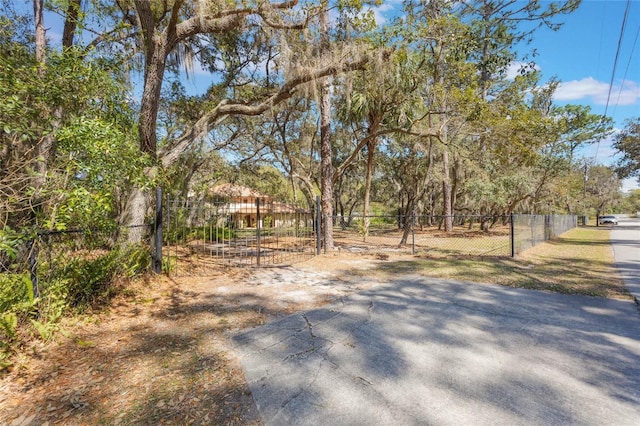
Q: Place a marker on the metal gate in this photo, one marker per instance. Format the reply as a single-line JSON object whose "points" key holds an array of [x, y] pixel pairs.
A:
{"points": [[200, 235]]}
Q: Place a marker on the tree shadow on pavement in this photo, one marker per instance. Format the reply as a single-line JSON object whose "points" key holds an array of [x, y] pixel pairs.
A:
{"points": [[429, 351]]}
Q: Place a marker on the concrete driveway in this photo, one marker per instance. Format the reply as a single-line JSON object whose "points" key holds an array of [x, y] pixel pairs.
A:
{"points": [[426, 351]]}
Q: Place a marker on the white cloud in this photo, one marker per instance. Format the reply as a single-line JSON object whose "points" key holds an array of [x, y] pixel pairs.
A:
{"points": [[625, 93]]}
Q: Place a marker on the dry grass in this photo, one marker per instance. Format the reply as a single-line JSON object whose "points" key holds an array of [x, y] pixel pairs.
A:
{"points": [[580, 261]]}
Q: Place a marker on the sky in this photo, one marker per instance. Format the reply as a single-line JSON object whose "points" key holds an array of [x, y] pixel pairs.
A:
{"points": [[582, 55]]}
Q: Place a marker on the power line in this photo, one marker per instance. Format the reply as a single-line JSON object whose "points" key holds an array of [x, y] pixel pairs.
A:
{"points": [[615, 64], [615, 61], [624, 77]]}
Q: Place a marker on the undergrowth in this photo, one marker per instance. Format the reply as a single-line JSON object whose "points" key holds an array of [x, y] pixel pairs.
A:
{"points": [[67, 284]]}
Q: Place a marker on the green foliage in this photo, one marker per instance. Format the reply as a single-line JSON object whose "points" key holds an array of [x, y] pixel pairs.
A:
{"points": [[602, 189], [267, 180], [8, 329], [83, 281], [210, 233], [267, 221], [45, 330], [383, 220], [16, 291], [16, 301], [8, 325], [97, 157], [627, 143], [78, 103], [632, 202], [71, 282], [10, 241]]}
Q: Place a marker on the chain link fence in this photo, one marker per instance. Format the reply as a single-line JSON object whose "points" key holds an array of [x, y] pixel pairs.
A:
{"points": [[531, 230], [198, 237], [470, 235], [73, 267]]}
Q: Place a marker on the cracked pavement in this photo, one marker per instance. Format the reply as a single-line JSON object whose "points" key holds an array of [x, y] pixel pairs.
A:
{"points": [[419, 350]]}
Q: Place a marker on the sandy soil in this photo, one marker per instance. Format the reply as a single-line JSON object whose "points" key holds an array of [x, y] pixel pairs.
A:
{"points": [[163, 355]]}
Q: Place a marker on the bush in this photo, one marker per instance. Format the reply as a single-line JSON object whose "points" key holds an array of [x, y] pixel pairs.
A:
{"points": [[210, 234], [15, 290], [183, 234], [84, 281], [69, 282], [16, 303]]}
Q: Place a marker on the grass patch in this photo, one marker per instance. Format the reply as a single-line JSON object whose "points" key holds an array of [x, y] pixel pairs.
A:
{"points": [[579, 261]]}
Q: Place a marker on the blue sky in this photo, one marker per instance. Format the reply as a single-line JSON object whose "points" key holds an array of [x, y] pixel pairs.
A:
{"points": [[582, 55]]}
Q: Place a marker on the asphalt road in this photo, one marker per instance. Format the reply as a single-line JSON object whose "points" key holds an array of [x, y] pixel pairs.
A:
{"points": [[625, 239], [432, 352]]}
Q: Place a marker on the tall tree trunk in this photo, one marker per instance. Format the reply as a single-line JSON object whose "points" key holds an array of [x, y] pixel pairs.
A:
{"points": [[133, 216], [326, 150], [456, 181], [41, 36], [371, 146], [150, 102], [138, 201], [447, 208], [44, 146], [447, 211], [71, 23], [407, 222]]}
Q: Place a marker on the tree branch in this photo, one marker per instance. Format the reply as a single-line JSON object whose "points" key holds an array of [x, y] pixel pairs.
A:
{"points": [[226, 107]]}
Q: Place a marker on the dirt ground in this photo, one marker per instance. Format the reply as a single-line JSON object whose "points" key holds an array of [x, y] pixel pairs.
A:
{"points": [[163, 354]]}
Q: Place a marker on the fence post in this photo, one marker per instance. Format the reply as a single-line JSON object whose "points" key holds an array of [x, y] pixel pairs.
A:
{"points": [[33, 265], [157, 256], [258, 219], [318, 226], [512, 236], [413, 233], [547, 227]]}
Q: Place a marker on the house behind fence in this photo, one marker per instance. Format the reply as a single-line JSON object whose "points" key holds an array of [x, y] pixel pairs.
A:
{"points": [[234, 225]]}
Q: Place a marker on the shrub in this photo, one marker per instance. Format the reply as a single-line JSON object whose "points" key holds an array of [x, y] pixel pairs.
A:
{"points": [[15, 290], [69, 281], [210, 234], [86, 280]]}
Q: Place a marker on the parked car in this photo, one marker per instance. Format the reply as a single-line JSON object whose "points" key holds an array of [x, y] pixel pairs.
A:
{"points": [[603, 220]]}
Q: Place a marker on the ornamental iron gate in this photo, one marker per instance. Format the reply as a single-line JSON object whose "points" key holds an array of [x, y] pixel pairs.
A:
{"points": [[200, 235]]}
